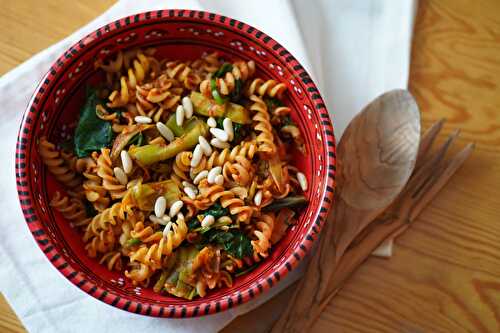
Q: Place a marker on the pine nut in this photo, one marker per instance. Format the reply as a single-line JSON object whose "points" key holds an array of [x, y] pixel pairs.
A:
{"points": [[188, 107], [219, 180], [214, 172], [219, 144], [205, 146], [167, 229], [228, 128], [207, 221], [157, 220], [126, 161], [257, 199], [190, 192], [302, 181], [179, 115], [142, 119], [120, 175], [211, 122], [219, 134], [197, 155], [160, 206], [165, 131], [175, 208], [200, 176]]}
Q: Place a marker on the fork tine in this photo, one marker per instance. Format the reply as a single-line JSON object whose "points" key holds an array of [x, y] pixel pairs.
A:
{"points": [[428, 139], [425, 171], [440, 179]]}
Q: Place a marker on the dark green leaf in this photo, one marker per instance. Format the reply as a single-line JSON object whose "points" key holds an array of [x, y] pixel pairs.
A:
{"points": [[272, 103], [237, 93], [137, 140], [234, 242], [226, 67], [216, 210], [240, 132], [89, 209], [92, 133], [291, 201], [193, 224]]}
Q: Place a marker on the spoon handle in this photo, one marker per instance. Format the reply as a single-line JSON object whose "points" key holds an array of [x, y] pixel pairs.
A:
{"points": [[304, 307]]}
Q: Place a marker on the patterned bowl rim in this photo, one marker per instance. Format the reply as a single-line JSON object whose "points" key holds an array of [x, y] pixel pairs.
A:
{"points": [[26, 196]]}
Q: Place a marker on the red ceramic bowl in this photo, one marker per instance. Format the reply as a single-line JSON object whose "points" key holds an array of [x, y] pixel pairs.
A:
{"points": [[179, 34]]}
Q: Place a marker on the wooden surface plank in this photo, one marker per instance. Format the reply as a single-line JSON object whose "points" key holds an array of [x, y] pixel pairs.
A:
{"points": [[445, 275]]}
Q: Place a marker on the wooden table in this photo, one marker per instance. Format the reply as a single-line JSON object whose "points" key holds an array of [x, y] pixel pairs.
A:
{"points": [[445, 275]]}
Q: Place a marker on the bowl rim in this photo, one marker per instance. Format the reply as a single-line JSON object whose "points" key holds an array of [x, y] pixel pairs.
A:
{"points": [[26, 196]]}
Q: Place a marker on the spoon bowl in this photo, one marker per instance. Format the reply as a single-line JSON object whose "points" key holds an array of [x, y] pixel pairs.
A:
{"points": [[377, 155]]}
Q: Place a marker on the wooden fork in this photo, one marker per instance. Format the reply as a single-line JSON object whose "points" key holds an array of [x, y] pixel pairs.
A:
{"points": [[432, 171]]}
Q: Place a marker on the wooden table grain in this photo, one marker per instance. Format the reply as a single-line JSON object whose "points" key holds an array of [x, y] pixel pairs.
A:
{"points": [[445, 275]]}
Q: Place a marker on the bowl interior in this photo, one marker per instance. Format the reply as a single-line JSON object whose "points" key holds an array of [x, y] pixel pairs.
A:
{"points": [[54, 110]]}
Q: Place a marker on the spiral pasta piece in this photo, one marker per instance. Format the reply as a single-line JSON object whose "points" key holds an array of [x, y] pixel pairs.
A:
{"points": [[112, 260], [51, 157], [109, 181], [246, 149], [183, 73], [239, 172], [241, 70], [262, 125], [264, 229], [262, 88], [72, 209], [227, 199]]}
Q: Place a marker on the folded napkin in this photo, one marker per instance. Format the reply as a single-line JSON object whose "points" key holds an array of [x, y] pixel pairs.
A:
{"points": [[354, 50]]}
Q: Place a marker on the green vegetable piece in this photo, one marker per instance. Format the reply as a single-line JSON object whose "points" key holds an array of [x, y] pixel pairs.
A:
{"points": [[238, 114], [123, 139], [216, 210], [291, 201], [234, 242], [172, 124], [161, 282], [179, 130], [92, 133], [226, 67], [193, 224], [237, 93], [145, 195], [149, 154], [89, 209], [137, 140], [215, 93], [272, 103], [205, 107], [133, 242]]}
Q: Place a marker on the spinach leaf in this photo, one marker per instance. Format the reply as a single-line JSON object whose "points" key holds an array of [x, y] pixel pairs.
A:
{"points": [[216, 210], [291, 201], [237, 93], [92, 133], [136, 140], [272, 103], [234, 242], [240, 132], [226, 67], [193, 223], [89, 209]]}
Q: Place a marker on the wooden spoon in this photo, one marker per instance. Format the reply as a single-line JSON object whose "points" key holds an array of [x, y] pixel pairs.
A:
{"points": [[377, 155]]}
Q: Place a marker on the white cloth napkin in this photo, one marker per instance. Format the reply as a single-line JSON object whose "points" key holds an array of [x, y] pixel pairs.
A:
{"points": [[354, 50]]}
